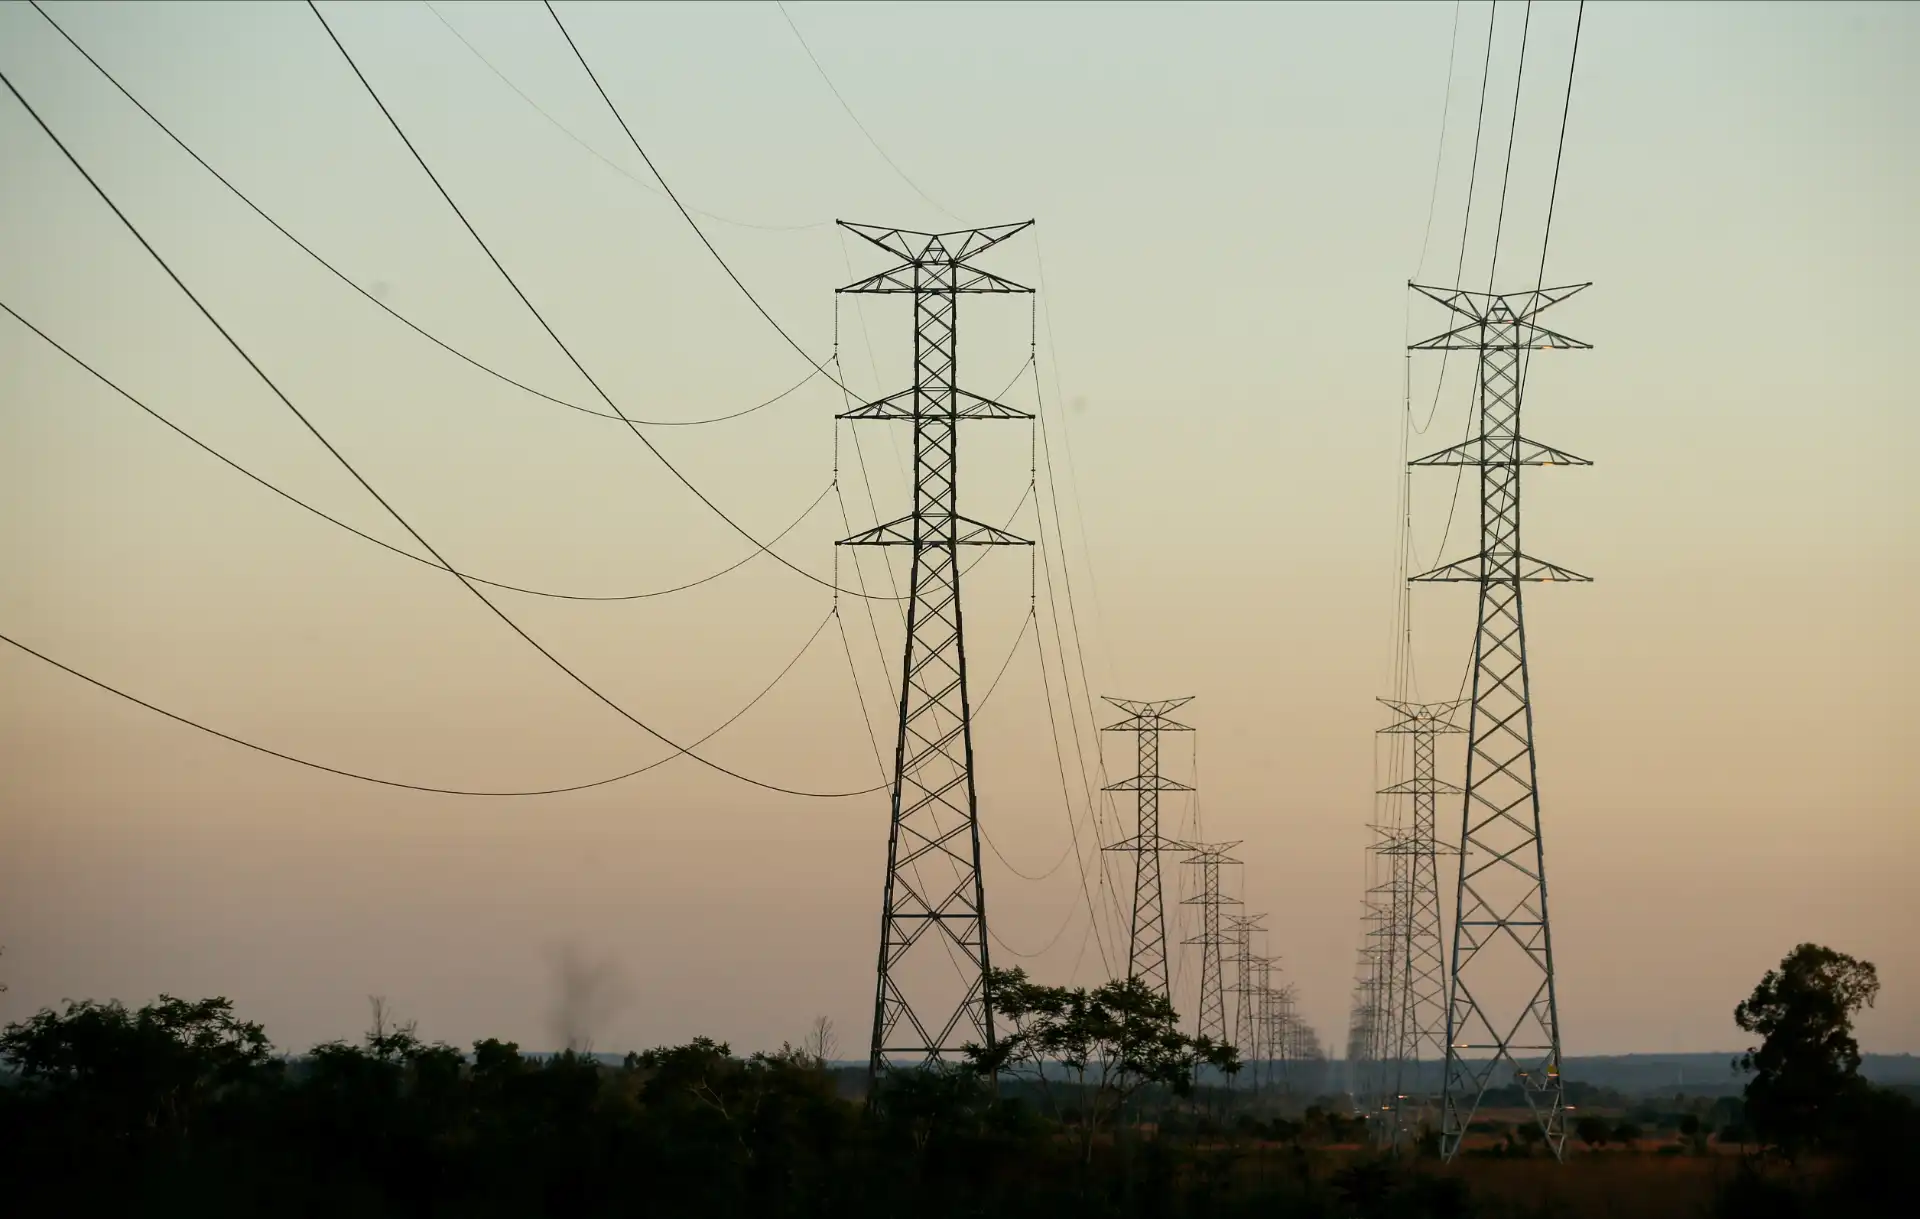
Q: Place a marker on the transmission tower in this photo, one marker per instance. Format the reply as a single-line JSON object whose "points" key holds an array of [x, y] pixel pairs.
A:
{"points": [[1368, 1010], [1147, 953], [935, 906], [1240, 933], [1212, 940], [1263, 1027], [1502, 1011], [1388, 902], [1284, 1029], [1307, 1061], [1419, 1017]]}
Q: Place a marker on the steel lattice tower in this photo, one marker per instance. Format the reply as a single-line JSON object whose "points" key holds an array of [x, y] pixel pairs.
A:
{"points": [[1501, 999], [1418, 1022], [1240, 932], [1284, 1031], [1368, 1011], [1390, 901], [1212, 1021], [935, 827], [1263, 1047], [1147, 951]]}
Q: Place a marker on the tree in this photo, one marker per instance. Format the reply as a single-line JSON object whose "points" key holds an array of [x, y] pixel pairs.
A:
{"points": [[1593, 1131], [1112, 1042], [1806, 1070], [821, 1042], [147, 1070], [1695, 1135]]}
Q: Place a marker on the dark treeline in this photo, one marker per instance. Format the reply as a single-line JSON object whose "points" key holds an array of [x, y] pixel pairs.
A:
{"points": [[184, 1108]]}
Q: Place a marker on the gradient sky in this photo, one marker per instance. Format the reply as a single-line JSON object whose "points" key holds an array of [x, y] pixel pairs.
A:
{"points": [[1229, 201]]}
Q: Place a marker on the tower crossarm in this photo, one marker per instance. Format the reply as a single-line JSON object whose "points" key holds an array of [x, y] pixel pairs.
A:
{"points": [[907, 404], [1423, 717], [1216, 853], [918, 248], [1500, 451], [1138, 843], [934, 529], [1147, 714], [1424, 786], [1515, 311], [1501, 569], [1147, 783]]}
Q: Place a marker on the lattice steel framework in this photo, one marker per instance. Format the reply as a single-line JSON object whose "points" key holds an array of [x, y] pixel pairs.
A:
{"points": [[1368, 1013], [1502, 1009], [1418, 1022], [1246, 989], [1287, 1034], [1390, 900], [1263, 1029], [1212, 940], [933, 889], [1147, 950]]}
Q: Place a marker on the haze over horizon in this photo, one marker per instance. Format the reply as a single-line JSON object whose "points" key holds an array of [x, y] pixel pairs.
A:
{"points": [[1229, 202]]}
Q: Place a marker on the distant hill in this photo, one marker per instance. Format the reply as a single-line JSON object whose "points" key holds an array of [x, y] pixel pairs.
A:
{"points": [[1708, 1074], [1711, 1072]]}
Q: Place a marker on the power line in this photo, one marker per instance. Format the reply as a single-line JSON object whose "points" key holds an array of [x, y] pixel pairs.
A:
{"points": [[1460, 263], [837, 96], [1066, 443], [1066, 796], [419, 787], [1433, 195], [1479, 124], [1085, 698], [687, 215], [1560, 150], [609, 162], [1439, 152], [1030, 622], [1072, 913], [1513, 127], [338, 456], [545, 325], [1073, 732], [388, 309], [1066, 576], [381, 542]]}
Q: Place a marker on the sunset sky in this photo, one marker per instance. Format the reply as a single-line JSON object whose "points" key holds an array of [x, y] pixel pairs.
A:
{"points": [[1229, 201]]}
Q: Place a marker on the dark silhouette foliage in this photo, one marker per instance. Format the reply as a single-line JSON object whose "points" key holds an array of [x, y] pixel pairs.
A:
{"points": [[1806, 1070], [182, 1109]]}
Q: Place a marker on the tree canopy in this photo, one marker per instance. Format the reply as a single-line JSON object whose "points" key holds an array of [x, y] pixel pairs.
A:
{"points": [[1806, 1070]]}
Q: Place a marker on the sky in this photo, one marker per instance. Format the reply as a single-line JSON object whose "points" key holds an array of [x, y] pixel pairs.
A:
{"points": [[1229, 202]]}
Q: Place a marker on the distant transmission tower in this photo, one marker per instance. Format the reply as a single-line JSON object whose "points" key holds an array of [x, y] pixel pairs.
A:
{"points": [[1388, 904], [1213, 941], [1264, 1049], [1284, 1031], [1240, 932], [1502, 1011], [1420, 1014], [935, 906], [1147, 955], [1367, 1012]]}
